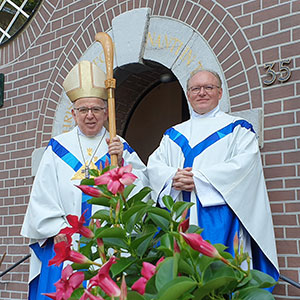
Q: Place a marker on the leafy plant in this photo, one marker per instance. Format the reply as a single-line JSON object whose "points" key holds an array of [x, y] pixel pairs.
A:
{"points": [[134, 250]]}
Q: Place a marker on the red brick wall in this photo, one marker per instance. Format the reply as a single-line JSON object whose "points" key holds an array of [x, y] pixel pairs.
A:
{"points": [[244, 36]]}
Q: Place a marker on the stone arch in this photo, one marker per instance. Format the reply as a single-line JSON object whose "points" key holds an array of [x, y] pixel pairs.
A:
{"points": [[208, 20]]}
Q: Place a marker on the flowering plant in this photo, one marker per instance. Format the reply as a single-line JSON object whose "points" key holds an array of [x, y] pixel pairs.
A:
{"points": [[133, 250]]}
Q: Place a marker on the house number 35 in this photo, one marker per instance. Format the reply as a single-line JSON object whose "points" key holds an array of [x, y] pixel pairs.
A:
{"points": [[285, 72]]}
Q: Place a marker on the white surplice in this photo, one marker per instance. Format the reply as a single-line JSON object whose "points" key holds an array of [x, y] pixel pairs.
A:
{"points": [[54, 195], [227, 170]]}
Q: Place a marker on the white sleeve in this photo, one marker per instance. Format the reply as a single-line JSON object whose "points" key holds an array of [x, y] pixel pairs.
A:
{"points": [[206, 193]]}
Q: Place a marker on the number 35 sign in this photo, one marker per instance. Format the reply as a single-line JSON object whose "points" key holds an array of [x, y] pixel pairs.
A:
{"points": [[285, 72]]}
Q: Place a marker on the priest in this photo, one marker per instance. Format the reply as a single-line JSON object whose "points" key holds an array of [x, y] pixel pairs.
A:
{"points": [[66, 161], [213, 160]]}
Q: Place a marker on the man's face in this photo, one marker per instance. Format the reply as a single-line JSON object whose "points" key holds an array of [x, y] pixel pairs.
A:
{"points": [[203, 92], [89, 121]]}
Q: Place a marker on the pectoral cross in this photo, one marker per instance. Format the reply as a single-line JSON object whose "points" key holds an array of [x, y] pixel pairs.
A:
{"points": [[85, 171]]}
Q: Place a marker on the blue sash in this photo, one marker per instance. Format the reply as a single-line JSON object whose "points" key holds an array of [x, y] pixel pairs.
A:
{"points": [[44, 282], [219, 222]]}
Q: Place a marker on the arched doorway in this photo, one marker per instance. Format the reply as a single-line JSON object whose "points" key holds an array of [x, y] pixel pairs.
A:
{"points": [[156, 101]]}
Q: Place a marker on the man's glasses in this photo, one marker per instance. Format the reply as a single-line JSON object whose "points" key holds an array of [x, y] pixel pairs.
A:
{"points": [[85, 110], [208, 88]]}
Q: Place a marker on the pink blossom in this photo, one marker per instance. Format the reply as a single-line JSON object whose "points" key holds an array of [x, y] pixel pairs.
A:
{"points": [[63, 252], [100, 244], [236, 243], [147, 272], [116, 179], [184, 225], [77, 226], [89, 190], [123, 295], [87, 295], [140, 285], [176, 247], [199, 244], [104, 280], [67, 284]]}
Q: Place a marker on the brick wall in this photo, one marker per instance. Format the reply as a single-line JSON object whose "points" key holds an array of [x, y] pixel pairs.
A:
{"points": [[244, 36]]}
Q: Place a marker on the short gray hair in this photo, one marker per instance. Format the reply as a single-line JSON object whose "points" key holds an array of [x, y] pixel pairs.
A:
{"points": [[214, 73]]}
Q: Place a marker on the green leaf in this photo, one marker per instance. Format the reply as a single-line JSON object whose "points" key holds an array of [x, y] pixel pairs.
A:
{"points": [[150, 288], [168, 201], [139, 196], [253, 293], [141, 244], [180, 206], [133, 295], [103, 214], [122, 264], [160, 212], [132, 210], [94, 172], [89, 181], [261, 280], [100, 201], [165, 250], [184, 267], [159, 221], [167, 241], [176, 287], [194, 229], [134, 215], [217, 279], [115, 242], [128, 190], [77, 294], [167, 271], [115, 232]]}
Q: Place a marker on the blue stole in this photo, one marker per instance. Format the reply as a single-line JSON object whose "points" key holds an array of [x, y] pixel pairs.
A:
{"points": [[44, 282], [220, 224]]}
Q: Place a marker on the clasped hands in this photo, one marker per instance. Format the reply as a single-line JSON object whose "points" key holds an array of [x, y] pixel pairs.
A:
{"points": [[183, 180]]}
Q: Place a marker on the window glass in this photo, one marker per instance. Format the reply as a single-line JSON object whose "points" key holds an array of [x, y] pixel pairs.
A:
{"points": [[14, 14]]}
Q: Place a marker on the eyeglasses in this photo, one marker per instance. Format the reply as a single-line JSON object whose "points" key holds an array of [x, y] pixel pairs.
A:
{"points": [[208, 88], [85, 110]]}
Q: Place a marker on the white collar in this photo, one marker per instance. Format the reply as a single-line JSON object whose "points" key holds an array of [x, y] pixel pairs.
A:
{"points": [[209, 114], [101, 132]]}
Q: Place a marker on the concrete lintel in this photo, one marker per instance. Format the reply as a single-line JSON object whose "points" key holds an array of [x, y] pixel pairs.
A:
{"points": [[129, 34]]}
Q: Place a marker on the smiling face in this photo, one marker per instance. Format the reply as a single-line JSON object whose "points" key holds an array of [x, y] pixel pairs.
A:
{"points": [[89, 123], [203, 99]]}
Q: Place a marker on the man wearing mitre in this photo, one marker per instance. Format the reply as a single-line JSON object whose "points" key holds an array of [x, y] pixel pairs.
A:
{"points": [[66, 160]]}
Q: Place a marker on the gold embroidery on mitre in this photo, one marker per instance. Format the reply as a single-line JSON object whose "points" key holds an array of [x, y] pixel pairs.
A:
{"points": [[80, 174]]}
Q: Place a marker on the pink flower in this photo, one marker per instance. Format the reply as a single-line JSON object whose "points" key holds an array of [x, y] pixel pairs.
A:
{"points": [[116, 179], [140, 285], [236, 243], [123, 295], [176, 247], [100, 244], [89, 190], [87, 295], [77, 226], [105, 282], [67, 284], [199, 244], [184, 225], [63, 252], [148, 271]]}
